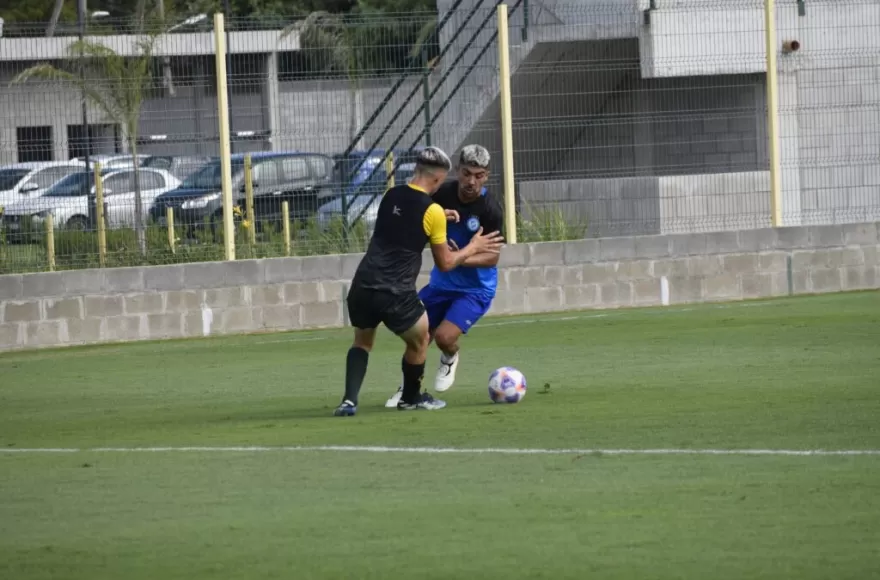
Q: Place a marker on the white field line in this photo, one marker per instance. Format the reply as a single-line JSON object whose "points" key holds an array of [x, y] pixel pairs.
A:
{"points": [[445, 450], [552, 318]]}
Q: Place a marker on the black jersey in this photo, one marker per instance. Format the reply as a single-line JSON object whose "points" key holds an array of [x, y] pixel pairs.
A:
{"points": [[407, 220]]}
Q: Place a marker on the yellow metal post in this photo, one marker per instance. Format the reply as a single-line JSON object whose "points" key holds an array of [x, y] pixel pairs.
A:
{"points": [[389, 170], [249, 199], [285, 226], [506, 126], [169, 217], [223, 118], [773, 114], [50, 241], [99, 215]]}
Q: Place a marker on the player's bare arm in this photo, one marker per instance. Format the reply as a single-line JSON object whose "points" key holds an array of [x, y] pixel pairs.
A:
{"points": [[448, 259], [481, 260]]}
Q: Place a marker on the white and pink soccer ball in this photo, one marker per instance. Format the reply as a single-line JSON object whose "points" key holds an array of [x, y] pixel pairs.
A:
{"points": [[507, 385]]}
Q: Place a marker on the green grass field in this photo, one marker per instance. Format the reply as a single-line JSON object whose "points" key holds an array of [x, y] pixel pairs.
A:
{"points": [[794, 374]]}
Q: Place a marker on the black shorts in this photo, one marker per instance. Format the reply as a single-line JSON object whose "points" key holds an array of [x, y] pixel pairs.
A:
{"points": [[367, 308]]}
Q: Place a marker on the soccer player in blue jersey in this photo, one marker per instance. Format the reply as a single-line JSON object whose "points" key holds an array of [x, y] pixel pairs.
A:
{"points": [[457, 299]]}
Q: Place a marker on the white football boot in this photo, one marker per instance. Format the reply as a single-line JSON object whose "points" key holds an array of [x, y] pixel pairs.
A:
{"points": [[446, 374], [395, 398]]}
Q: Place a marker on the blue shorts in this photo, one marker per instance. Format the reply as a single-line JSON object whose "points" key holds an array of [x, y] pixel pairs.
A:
{"points": [[459, 308]]}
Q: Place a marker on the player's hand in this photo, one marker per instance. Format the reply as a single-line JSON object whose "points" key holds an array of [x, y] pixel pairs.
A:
{"points": [[491, 242], [452, 215]]}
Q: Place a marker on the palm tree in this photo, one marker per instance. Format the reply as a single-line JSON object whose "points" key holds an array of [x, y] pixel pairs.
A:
{"points": [[53, 21], [118, 91]]}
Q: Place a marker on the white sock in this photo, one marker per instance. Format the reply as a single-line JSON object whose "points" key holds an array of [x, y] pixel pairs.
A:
{"points": [[445, 359]]}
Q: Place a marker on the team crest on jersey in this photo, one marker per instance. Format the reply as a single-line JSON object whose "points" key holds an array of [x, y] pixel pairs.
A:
{"points": [[473, 224]]}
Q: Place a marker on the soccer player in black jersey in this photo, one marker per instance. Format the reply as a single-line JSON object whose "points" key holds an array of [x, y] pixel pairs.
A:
{"points": [[384, 286]]}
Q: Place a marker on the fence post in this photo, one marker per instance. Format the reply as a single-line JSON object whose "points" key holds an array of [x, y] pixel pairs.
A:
{"points": [[169, 217], [285, 226], [389, 170], [506, 126], [249, 199], [99, 213], [223, 118], [426, 95], [50, 241], [773, 114]]}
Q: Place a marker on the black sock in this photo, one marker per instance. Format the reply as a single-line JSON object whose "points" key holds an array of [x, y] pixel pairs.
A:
{"points": [[412, 381], [355, 371]]}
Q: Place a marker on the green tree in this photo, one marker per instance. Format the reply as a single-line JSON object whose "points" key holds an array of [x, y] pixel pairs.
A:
{"points": [[118, 90]]}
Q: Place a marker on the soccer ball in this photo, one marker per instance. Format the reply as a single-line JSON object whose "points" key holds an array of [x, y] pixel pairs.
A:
{"points": [[507, 385]]}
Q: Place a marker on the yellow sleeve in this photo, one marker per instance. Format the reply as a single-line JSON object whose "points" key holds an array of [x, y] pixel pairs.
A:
{"points": [[434, 222]]}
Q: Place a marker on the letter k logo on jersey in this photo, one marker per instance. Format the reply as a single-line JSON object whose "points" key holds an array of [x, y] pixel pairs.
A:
{"points": [[396, 210]]}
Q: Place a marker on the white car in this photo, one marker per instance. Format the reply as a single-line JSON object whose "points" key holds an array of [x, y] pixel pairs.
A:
{"points": [[24, 181], [68, 200]]}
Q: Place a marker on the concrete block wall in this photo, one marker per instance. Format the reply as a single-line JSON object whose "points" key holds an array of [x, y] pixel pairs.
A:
{"points": [[193, 300]]}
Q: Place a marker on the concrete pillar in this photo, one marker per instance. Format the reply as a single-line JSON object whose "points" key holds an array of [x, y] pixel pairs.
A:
{"points": [[270, 101]]}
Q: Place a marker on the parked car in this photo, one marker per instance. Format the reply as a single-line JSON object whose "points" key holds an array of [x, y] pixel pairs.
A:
{"points": [[115, 160], [180, 166], [359, 194], [23, 181], [301, 179], [68, 200]]}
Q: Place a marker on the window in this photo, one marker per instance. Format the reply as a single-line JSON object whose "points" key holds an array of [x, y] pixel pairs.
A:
{"points": [[49, 177], [119, 183], [322, 167], [295, 168], [266, 173], [101, 139], [9, 178], [34, 144], [152, 180]]}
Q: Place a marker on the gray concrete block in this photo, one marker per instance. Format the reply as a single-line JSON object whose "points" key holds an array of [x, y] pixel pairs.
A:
{"points": [[46, 333], [859, 278], [509, 302], [871, 255], [685, 290], [615, 294], [581, 251], [792, 238], [826, 236], [25, 311], [302, 293], [349, 265], [322, 315], [722, 287], [518, 279], [270, 295], [581, 296], [845, 257], [722, 243], [159, 278], [10, 287], [281, 317], [601, 273], [11, 335], [102, 306], [57, 308], [739, 263], [702, 266], [653, 246], [193, 324], [859, 234], [672, 268], [42, 285], [779, 285], [546, 253], [681, 245], [322, 268], [547, 299], [243, 319], [422, 281], [332, 291], [228, 297], [118, 328], [81, 282], [553, 275], [243, 273], [184, 300], [635, 269], [572, 275], [645, 292], [277, 270], [165, 325], [617, 249], [145, 303], [513, 256], [85, 331], [760, 240], [118, 280], [427, 261], [825, 280], [800, 281], [772, 262], [206, 275], [756, 285]]}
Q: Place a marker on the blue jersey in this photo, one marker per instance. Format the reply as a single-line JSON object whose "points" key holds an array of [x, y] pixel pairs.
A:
{"points": [[482, 212]]}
